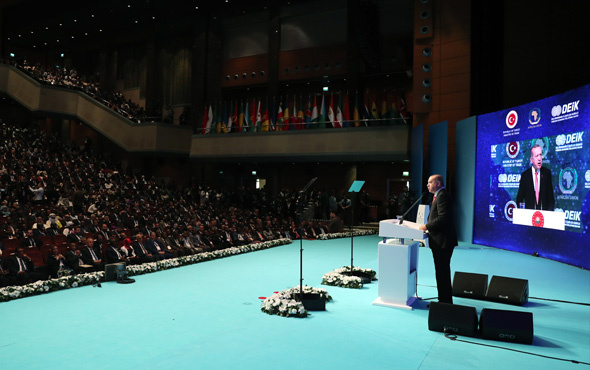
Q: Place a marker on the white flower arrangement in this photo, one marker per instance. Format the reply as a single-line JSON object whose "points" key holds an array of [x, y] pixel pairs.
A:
{"points": [[356, 232], [74, 281], [284, 303], [44, 286], [337, 278]]}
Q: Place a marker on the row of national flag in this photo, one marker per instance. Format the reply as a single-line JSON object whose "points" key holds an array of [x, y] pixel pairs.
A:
{"points": [[300, 113]]}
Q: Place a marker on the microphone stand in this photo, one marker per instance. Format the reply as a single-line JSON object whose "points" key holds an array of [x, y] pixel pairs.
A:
{"points": [[411, 207], [301, 238]]}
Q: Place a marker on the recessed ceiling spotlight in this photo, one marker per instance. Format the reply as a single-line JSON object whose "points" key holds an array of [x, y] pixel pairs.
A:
{"points": [[75, 20], [61, 24]]}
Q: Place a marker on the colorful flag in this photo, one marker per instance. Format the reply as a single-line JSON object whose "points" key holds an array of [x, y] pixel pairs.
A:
{"points": [[331, 116], [265, 126], [338, 121], [246, 124], [241, 117], [366, 112], [207, 118], [355, 113], [322, 116], [230, 119], [252, 127], [300, 116], [235, 116], [280, 117], [286, 119], [374, 114], [258, 118], [307, 119], [315, 116], [346, 112]]}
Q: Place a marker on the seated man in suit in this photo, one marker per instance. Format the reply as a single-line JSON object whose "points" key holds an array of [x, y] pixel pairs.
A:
{"points": [[157, 247], [30, 241], [5, 278], [142, 253], [74, 260], [22, 267], [114, 255], [92, 255], [57, 263]]}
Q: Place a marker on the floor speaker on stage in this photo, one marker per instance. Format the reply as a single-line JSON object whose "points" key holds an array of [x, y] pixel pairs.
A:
{"points": [[470, 285], [507, 326], [452, 319], [508, 290]]}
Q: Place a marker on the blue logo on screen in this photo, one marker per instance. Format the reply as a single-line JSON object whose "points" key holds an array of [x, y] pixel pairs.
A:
{"points": [[534, 116], [568, 180]]}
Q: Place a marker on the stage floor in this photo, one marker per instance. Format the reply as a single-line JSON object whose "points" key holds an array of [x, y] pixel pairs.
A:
{"points": [[208, 316]]}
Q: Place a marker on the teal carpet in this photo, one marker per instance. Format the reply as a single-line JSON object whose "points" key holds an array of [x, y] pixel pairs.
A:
{"points": [[207, 316]]}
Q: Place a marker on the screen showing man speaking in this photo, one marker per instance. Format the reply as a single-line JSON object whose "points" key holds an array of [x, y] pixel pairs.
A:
{"points": [[536, 156]]}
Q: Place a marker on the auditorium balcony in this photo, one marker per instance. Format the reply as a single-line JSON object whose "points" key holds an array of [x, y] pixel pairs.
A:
{"points": [[381, 143]]}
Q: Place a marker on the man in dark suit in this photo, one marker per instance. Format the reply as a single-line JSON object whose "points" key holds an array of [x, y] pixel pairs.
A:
{"points": [[157, 247], [141, 251], [535, 188], [442, 236], [30, 241], [22, 267], [92, 255]]}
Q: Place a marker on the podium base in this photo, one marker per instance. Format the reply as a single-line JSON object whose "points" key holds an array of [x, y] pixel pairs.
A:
{"points": [[313, 302], [406, 306], [365, 279]]}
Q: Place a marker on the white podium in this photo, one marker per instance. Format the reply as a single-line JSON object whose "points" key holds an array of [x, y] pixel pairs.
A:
{"points": [[398, 263], [538, 218]]}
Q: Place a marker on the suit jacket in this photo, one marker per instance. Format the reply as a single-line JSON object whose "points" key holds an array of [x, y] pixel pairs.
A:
{"points": [[54, 264], [441, 224], [114, 255], [87, 256], [13, 266], [526, 190], [138, 251], [72, 259], [30, 243]]}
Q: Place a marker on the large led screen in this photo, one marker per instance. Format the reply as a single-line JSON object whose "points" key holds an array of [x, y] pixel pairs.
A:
{"points": [[560, 125]]}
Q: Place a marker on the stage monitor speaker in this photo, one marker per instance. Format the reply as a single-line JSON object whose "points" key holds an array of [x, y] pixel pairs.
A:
{"points": [[507, 326], [508, 290], [111, 270], [470, 285], [452, 319]]}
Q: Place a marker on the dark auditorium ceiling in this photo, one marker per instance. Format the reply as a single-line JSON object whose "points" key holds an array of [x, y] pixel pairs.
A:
{"points": [[43, 24]]}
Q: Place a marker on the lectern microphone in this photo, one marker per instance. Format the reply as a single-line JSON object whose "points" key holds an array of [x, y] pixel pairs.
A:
{"points": [[413, 205]]}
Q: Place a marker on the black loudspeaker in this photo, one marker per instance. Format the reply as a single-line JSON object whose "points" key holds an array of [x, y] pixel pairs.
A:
{"points": [[508, 290], [507, 326], [452, 319], [470, 285]]}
